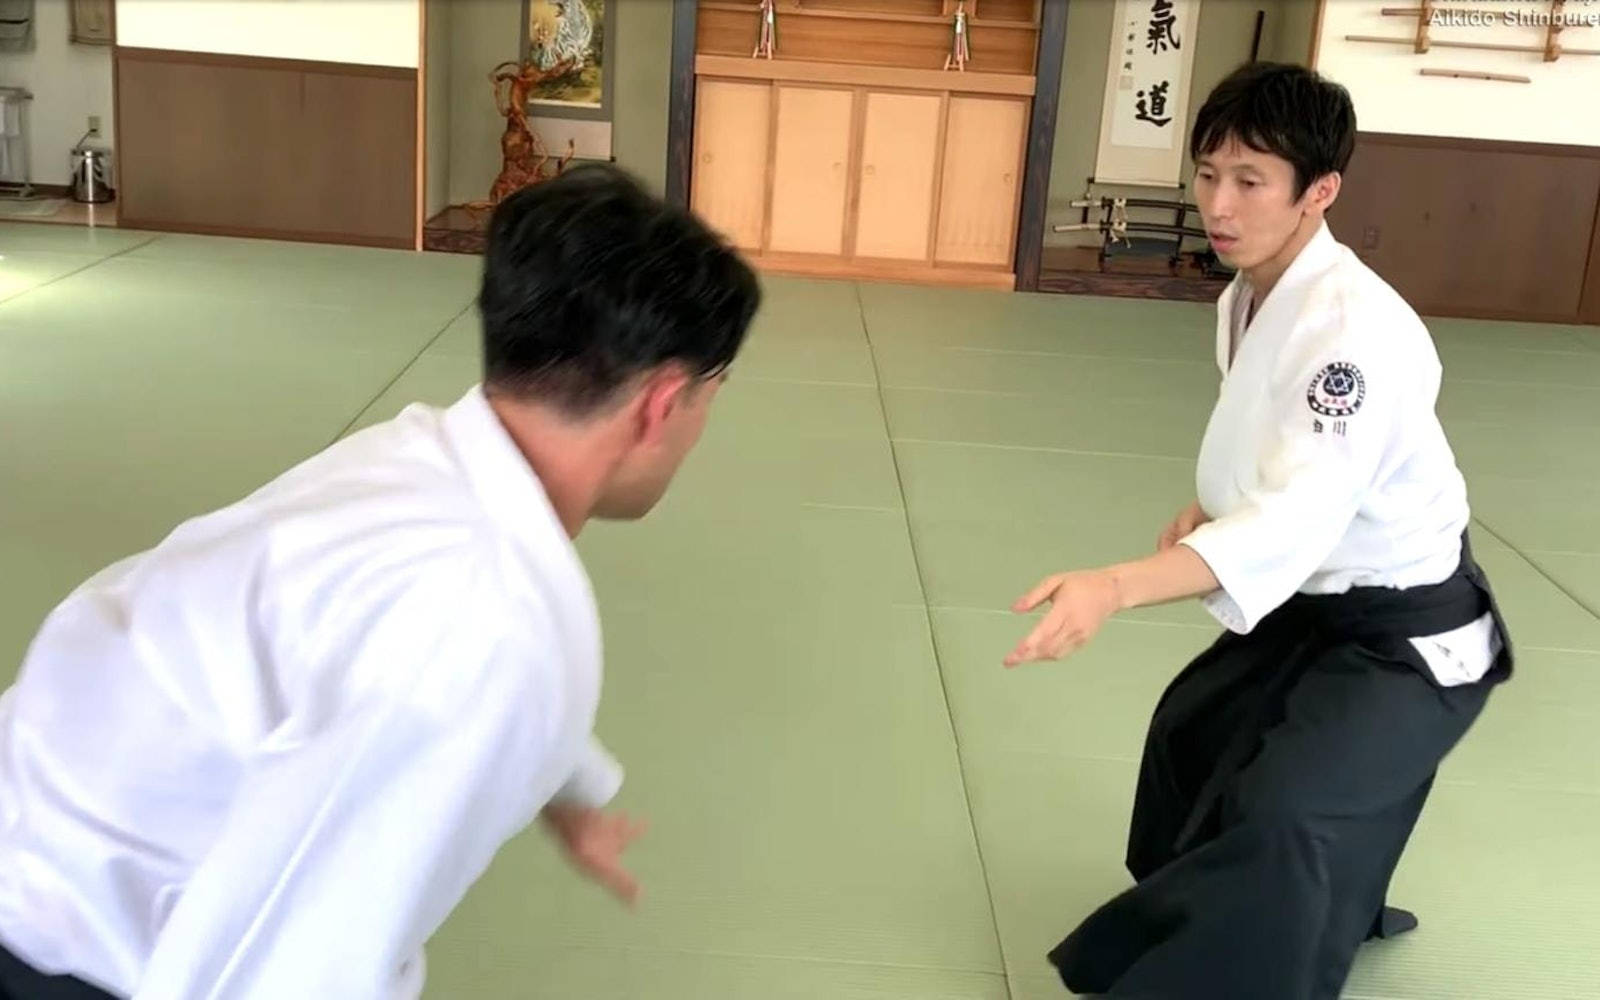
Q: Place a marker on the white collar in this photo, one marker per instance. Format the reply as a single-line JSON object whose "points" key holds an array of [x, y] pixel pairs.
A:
{"points": [[1321, 252], [510, 492]]}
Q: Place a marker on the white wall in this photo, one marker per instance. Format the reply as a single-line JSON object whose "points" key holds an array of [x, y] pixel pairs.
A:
{"points": [[1391, 96], [69, 83], [366, 32]]}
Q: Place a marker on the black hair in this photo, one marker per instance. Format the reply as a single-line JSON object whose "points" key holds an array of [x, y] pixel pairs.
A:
{"points": [[1281, 109], [589, 280]]}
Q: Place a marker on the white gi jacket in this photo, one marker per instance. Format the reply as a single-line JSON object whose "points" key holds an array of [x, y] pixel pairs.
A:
{"points": [[1324, 464], [268, 757]]}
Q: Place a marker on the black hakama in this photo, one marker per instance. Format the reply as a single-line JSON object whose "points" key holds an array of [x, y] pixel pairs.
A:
{"points": [[1282, 775]]}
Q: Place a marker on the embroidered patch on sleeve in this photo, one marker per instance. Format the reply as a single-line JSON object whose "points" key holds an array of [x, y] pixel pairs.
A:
{"points": [[1337, 390]]}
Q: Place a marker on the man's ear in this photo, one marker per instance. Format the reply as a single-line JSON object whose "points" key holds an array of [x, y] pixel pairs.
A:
{"points": [[1324, 191], [662, 392]]}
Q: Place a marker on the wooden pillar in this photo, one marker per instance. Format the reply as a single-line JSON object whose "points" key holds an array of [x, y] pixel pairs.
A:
{"points": [[1041, 144], [680, 109]]}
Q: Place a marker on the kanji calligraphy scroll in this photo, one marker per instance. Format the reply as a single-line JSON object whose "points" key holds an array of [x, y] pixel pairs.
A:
{"points": [[1144, 121]]}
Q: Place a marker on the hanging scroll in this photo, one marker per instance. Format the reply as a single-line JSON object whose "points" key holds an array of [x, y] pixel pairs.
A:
{"points": [[1144, 123]]}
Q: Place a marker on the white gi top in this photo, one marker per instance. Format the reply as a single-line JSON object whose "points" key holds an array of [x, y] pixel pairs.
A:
{"points": [[1324, 465], [268, 757]]}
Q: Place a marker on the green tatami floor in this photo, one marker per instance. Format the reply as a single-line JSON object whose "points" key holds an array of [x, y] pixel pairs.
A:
{"points": [[849, 797]]}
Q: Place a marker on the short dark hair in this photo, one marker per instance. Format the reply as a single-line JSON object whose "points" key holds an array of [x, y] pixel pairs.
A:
{"points": [[1282, 109], [588, 280]]}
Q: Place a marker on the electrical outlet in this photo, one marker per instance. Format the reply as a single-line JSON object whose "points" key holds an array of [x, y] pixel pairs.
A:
{"points": [[94, 125]]}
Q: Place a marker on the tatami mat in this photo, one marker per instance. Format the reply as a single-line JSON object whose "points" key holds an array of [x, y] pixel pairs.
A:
{"points": [[849, 797]]}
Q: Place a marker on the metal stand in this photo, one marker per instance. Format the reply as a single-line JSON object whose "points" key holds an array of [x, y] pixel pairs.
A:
{"points": [[1162, 239], [16, 146]]}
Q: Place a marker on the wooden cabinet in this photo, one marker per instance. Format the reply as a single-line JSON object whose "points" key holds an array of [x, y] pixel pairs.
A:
{"points": [[840, 180], [854, 152]]}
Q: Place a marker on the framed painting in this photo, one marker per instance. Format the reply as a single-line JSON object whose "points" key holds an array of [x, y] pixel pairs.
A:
{"points": [[569, 42], [90, 22]]}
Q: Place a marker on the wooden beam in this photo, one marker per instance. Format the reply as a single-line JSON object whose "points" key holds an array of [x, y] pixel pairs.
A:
{"points": [[1041, 145], [852, 184], [938, 178], [680, 103], [1474, 74], [1481, 46], [1552, 44], [1589, 302], [1316, 33], [422, 124], [855, 75]]}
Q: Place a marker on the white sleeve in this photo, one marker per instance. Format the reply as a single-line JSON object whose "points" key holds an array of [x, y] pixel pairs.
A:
{"points": [[1335, 418], [351, 841], [595, 781]]}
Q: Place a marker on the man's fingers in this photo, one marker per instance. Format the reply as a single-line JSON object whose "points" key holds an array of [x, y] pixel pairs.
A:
{"points": [[1042, 642], [620, 882], [1033, 598], [1061, 639], [1027, 649], [604, 865]]}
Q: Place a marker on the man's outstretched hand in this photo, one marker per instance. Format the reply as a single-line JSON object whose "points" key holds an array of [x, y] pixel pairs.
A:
{"points": [[595, 841], [1079, 604]]}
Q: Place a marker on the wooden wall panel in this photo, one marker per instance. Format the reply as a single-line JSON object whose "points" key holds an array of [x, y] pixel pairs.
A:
{"points": [[982, 176], [916, 8], [848, 39], [1025, 11], [1473, 228], [267, 147]]}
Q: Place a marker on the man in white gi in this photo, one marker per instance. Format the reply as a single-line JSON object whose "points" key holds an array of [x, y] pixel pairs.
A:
{"points": [[267, 758], [1285, 768]]}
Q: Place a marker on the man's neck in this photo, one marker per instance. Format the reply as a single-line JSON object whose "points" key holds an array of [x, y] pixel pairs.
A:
{"points": [[569, 460], [1264, 277]]}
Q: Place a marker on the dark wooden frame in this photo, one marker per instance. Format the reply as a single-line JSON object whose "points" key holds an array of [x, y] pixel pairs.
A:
{"points": [[1041, 143], [1041, 127], [680, 104]]}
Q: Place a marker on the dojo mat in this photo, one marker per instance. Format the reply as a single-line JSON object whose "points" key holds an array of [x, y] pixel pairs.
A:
{"points": [[849, 798]]}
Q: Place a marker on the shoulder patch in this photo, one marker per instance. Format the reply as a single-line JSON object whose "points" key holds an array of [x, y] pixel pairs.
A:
{"points": [[1338, 390]]}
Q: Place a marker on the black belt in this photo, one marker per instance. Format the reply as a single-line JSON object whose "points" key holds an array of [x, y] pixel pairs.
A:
{"points": [[1365, 614]]}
